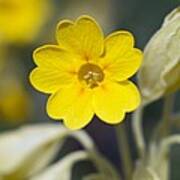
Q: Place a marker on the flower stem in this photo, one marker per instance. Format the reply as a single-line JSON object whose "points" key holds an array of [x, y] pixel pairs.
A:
{"points": [[166, 117], [138, 131], [175, 120], [124, 150]]}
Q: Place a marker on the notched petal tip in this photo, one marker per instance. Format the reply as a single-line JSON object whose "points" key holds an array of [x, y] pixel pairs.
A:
{"points": [[86, 17], [92, 20], [121, 34], [139, 54], [31, 77], [65, 105], [64, 24], [34, 55], [135, 97], [113, 121], [52, 56], [113, 100], [73, 126], [51, 111], [42, 50], [33, 81]]}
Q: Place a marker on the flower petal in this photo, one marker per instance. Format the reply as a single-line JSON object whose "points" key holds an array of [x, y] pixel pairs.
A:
{"points": [[112, 100], [121, 60], [54, 56], [56, 68], [73, 104], [49, 81], [118, 43], [83, 37]]}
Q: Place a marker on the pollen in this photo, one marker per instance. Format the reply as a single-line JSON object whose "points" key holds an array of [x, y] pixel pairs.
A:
{"points": [[91, 74]]}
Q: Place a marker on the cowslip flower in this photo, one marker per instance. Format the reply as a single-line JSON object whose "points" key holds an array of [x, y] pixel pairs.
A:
{"points": [[87, 74], [20, 21], [161, 76]]}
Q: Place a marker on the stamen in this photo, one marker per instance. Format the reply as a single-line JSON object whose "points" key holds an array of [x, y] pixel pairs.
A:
{"points": [[91, 74]]}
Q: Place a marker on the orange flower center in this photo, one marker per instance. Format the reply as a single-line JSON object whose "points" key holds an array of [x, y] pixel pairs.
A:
{"points": [[91, 74]]}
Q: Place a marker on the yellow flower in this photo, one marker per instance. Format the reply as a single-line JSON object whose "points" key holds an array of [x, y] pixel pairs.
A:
{"points": [[15, 106], [86, 74], [21, 20]]}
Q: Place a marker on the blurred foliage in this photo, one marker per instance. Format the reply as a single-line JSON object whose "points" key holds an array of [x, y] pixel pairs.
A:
{"points": [[40, 145]]}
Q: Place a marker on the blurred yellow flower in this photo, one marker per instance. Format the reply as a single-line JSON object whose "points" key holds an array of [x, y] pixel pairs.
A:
{"points": [[14, 105], [21, 20], [86, 74]]}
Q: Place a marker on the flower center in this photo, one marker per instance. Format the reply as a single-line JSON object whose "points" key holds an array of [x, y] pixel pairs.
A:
{"points": [[91, 74]]}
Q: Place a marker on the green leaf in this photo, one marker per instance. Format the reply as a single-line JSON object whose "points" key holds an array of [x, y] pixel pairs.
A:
{"points": [[27, 150], [145, 173], [94, 177], [31, 148], [63, 168]]}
